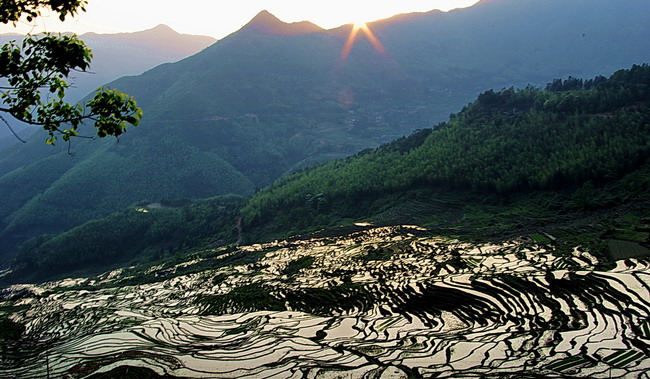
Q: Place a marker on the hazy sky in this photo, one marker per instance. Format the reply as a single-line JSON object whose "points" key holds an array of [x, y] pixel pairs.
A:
{"points": [[219, 18]]}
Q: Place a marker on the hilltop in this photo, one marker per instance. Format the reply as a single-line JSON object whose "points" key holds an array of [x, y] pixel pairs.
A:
{"points": [[266, 23]]}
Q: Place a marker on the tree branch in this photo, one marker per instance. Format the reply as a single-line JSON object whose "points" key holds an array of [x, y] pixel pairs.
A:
{"points": [[12, 130], [49, 122]]}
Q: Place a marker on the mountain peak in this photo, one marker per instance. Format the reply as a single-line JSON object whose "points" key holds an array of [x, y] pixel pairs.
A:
{"points": [[265, 22], [162, 28], [265, 18]]}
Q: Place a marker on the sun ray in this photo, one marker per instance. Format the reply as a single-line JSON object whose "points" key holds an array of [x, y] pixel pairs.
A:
{"points": [[373, 39], [347, 48], [352, 38]]}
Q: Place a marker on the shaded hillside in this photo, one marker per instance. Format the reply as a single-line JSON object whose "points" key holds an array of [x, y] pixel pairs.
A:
{"points": [[136, 235], [575, 136], [260, 103], [572, 159]]}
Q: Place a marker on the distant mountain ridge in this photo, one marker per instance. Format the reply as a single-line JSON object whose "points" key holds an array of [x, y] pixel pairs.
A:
{"points": [[159, 37], [265, 22], [259, 104], [121, 54]]}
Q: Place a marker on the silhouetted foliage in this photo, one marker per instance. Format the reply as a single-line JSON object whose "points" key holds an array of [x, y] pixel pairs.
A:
{"points": [[35, 73]]}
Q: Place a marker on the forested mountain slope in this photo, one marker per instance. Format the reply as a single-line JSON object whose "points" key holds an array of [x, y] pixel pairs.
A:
{"points": [[572, 137], [512, 163], [273, 98]]}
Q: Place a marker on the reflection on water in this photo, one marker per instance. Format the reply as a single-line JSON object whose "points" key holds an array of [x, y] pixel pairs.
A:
{"points": [[381, 301]]}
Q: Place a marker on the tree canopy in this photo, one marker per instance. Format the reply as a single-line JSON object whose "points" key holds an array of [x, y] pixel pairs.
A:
{"points": [[13, 10], [34, 77], [506, 143]]}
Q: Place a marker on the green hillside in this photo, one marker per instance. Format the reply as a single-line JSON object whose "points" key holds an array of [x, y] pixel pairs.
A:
{"points": [[571, 160], [107, 180], [272, 98], [141, 234], [573, 140]]}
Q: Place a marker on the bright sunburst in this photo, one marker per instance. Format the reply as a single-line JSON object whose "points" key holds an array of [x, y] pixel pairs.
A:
{"points": [[360, 25], [352, 38]]}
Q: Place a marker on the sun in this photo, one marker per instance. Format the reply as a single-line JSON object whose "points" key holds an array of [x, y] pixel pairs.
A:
{"points": [[360, 25], [358, 19], [352, 38]]}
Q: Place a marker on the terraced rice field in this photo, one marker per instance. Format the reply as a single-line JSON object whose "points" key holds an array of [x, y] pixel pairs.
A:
{"points": [[382, 303]]}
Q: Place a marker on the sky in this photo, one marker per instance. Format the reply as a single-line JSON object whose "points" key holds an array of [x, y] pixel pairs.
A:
{"points": [[218, 18]]}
